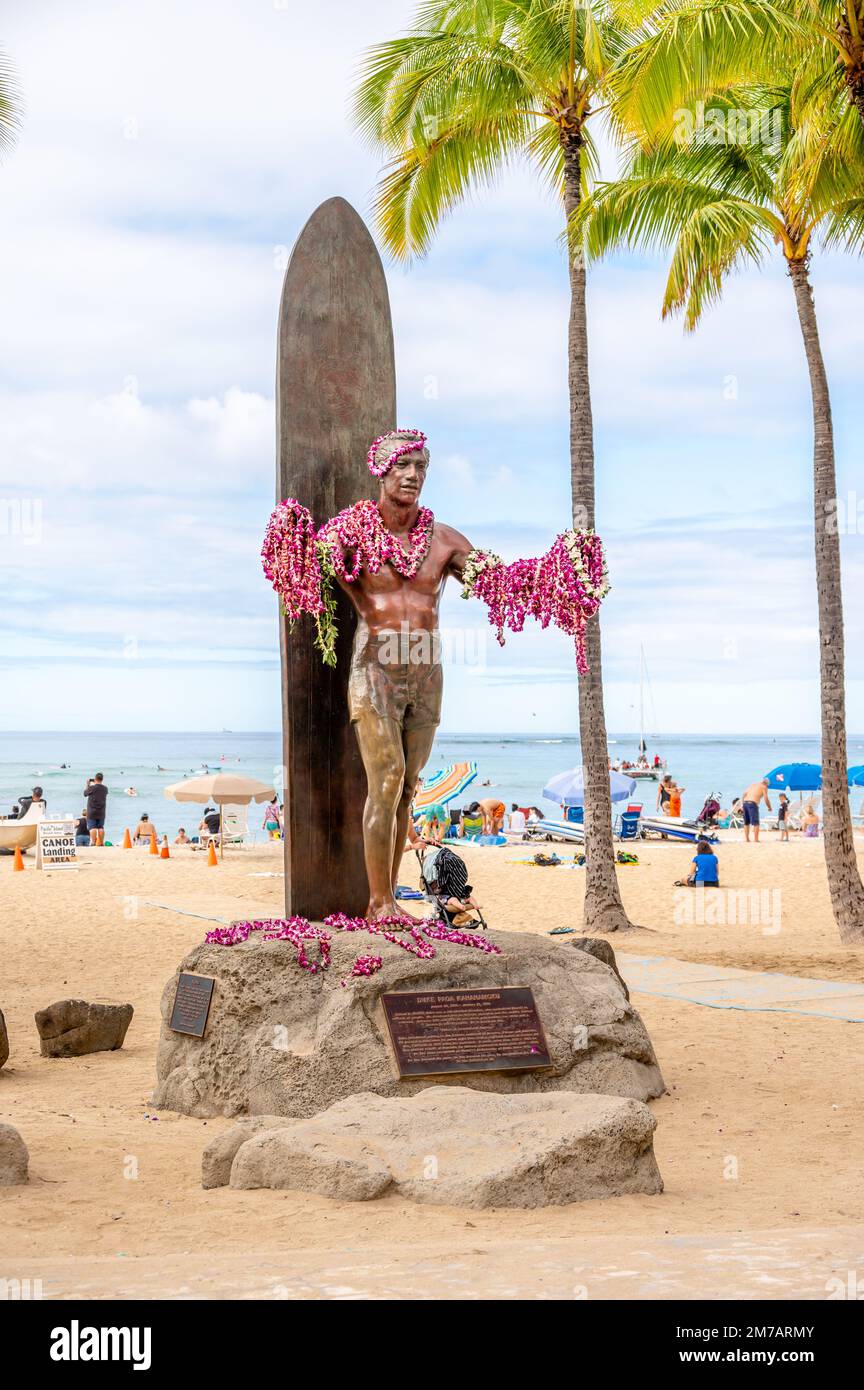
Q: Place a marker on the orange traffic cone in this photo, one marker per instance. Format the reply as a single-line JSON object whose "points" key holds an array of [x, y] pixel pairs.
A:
{"points": [[211, 854], [18, 865], [154, 848], [163, 853], [127, 839]]}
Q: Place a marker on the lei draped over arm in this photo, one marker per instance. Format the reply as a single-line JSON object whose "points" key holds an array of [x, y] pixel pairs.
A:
{"points": [[564, 587]]}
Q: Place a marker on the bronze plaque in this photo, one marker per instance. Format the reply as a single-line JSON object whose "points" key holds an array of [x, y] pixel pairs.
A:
{"points": [[192, 1004], [434, 1032]]}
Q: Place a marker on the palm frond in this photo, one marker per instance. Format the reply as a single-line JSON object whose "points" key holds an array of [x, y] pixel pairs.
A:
{"points": [[425, 182], [10, 105], [843, 227], [697, 49]]}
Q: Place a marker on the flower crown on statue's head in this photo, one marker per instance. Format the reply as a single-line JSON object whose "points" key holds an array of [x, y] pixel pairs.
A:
{"points": [[387, 448]]}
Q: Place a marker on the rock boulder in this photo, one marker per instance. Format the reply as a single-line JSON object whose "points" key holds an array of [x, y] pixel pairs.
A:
{"points": [[280, 1041], [14, 1158], [73, 1027], [449, 1146]]}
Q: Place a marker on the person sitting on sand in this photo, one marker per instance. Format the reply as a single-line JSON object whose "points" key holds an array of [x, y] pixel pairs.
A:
{"points": [[517, 818], [434, 824], [471, 822], [756, 792], [181, 837], [809, 821], [704, 869], [211, 821], [144, 830]]}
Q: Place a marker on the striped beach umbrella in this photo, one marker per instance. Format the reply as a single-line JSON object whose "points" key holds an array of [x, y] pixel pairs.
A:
{"points": [[444, 785]]}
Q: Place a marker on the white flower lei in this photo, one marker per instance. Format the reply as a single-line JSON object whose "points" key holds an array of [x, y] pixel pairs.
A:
{"points": [[571, 540]]}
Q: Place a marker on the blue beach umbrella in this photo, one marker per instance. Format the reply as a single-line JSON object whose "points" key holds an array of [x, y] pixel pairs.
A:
{"points": [[855, 776], [568, 788], [796, 777]]}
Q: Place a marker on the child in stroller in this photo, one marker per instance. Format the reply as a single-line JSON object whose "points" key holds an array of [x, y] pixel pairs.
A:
{"points": [[444, 877], [710, 811]]}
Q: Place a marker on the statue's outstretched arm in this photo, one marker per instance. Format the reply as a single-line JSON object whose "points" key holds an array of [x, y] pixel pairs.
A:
{"points": [[564, 587]]}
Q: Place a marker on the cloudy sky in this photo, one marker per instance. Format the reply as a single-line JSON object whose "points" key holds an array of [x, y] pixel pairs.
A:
{"points": [[169, 157]]}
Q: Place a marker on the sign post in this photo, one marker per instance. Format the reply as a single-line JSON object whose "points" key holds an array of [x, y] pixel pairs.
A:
{"points": [[55, 844]]}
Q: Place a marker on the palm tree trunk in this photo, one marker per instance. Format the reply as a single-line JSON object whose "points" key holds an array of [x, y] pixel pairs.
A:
{"points": [[844, 880], [604, 911], [855, 68]]}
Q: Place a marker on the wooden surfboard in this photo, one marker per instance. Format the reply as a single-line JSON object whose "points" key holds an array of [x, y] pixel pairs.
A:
{"points": [[335, 392]]}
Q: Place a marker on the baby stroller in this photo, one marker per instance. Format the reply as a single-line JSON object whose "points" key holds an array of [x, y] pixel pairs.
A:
{"points": [[443, 876], [710, 811]]}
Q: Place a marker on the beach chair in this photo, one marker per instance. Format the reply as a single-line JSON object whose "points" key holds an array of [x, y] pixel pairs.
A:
{"points": [[627, 825], [797, 808], [235, 825]]}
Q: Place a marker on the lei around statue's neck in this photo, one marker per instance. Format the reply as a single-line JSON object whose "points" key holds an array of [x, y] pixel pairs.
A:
{"points": [[398, 517]]}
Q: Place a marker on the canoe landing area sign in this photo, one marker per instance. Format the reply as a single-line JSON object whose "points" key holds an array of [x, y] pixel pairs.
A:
{"points": [[55, 844]]}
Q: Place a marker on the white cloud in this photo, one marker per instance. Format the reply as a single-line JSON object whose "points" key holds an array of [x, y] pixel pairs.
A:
{"points": [[170, 154]]}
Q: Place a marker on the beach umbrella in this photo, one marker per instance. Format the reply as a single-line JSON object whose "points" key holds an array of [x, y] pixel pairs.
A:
{"points": [[221, 789], [855, 776], [796, 777], [444, 785], [568, 788]]}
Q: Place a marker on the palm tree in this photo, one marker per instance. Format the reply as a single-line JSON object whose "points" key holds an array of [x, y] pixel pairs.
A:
{"points": [[721, 202], [475, 86], [9, 105], [691, 49]]}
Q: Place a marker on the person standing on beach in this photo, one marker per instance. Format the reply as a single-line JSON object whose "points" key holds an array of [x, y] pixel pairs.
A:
{"points": [[783, 817], [755, 793], [96, 797], [664, 791]]}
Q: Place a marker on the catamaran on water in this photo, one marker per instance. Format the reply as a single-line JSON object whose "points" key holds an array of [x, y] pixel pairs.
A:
{"points": [[644, 768]]}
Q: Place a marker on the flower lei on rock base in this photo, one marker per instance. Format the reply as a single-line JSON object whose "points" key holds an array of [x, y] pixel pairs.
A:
{"points": [[414, 937], [565, 587], [301, 563]]}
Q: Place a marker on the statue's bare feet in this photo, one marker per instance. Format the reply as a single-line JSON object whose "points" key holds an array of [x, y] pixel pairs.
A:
{"points": [[378, 912]]}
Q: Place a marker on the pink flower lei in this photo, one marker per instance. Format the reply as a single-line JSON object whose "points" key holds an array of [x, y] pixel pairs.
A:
{"points": [[416, 940], [410, 446], [565, 587], [360, 529], [302, 563]]}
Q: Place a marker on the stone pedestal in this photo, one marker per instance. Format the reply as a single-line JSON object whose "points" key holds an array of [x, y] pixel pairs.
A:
{"points": [[280, 1041]]}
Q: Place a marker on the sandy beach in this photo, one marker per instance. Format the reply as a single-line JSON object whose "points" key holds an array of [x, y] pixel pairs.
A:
{"points": [[115, 1206]]}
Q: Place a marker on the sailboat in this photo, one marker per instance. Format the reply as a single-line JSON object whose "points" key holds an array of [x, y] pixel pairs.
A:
{"points": [[648, 772]]}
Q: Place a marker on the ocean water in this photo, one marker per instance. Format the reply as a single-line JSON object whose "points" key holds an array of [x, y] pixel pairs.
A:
{"points": [[516, 766]]}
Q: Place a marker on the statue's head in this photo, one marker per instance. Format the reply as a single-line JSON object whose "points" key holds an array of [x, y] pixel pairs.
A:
{"points": [[400, 459]]}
